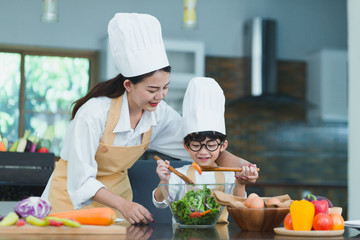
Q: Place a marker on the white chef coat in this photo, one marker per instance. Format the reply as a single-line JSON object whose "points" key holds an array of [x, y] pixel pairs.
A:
{"points": [[204, 178], [86, 129]]}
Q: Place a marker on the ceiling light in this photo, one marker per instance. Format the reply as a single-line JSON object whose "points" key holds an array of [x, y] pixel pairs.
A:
{"points": [[49, 11], [189, 18]]}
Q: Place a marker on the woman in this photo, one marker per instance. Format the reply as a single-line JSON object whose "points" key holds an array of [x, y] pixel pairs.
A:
{"points": [[117, 121]]}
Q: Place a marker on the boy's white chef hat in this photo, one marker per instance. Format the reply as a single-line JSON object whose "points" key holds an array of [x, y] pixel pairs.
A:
{"points": [[203, 106], [136, 44]]}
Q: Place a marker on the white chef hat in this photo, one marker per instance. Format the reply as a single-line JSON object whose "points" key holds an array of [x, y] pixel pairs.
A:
{"points": [[136, 44], [203, 107]]}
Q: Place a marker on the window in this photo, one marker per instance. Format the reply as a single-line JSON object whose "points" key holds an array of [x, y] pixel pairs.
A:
{"points": [[38, 87]]}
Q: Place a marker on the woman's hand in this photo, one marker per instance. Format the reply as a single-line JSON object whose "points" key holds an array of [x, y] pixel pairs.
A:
{"points": [[163, 171], [249, 174], [135, 213]]}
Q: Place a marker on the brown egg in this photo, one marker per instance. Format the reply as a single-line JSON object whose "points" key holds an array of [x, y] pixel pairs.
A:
{"points": [[273, 201], [254, 201], [248, 199]]}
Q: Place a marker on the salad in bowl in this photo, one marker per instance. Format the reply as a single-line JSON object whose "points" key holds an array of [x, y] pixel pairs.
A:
{"points": [[193, 205]]}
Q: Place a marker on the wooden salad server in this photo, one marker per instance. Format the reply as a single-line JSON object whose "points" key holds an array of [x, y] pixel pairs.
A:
{"points": [[177, 173], [221, 169]]}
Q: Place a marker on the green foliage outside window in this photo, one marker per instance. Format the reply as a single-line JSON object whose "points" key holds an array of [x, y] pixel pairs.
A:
{"points": [[52, 84]]}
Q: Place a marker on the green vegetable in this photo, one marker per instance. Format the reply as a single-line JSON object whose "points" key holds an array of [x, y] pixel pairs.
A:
{"points": [[65, 221], [49, 133], [10, 219], [37, 221], [22, 142], [14, 146], [44, 143], [195, 202]]}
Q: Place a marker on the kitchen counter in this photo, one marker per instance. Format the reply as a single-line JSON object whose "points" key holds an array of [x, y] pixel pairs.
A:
{"points": [[166, 231]]}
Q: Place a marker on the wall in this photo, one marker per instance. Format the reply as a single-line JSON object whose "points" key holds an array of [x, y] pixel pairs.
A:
{"points": [[354, 111], [295, 155], [303, 26]]}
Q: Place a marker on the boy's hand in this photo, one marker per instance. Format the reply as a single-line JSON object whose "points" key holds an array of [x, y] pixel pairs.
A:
{"points": [[249, 174], [163, 171]]}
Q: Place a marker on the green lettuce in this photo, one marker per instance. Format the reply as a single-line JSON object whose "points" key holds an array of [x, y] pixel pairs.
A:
{"points": [[194, 201]]}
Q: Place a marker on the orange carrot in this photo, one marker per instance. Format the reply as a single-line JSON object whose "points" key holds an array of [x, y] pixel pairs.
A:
{"points": [[197, 167], [2, 147], [93, 216], [206, 212]]}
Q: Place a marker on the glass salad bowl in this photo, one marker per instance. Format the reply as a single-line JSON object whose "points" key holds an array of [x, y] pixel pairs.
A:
{"points": [[193, 205]]}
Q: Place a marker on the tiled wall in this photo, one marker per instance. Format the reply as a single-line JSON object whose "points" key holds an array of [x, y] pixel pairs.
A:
{"points": [[294, 155]]}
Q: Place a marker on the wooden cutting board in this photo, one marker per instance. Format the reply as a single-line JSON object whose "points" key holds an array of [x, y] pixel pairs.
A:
{"points": [[84, 229]]}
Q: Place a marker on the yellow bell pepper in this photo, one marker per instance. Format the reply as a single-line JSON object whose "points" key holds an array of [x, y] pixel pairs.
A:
{"points": [[302, 215]]}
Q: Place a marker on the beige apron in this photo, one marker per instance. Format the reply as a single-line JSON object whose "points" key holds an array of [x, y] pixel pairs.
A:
{"points": [[113, 163], [219, 178]]}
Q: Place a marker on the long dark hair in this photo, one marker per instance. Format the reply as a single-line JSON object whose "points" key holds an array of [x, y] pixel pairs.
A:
{"points": [[112, 88]]}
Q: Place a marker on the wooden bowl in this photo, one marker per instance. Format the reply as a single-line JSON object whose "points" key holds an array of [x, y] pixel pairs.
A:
{"points": [[258, 219]]}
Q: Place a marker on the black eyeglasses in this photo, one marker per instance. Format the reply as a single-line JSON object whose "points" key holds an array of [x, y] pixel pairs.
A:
{"points": [[210, 145]]}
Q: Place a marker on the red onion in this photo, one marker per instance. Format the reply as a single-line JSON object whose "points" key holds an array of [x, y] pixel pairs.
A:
{"points": [[34, 206], [206, 204]]}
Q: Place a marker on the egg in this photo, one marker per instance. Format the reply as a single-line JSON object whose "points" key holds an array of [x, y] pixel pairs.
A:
{"points": [[254, 201], [272, 201]]}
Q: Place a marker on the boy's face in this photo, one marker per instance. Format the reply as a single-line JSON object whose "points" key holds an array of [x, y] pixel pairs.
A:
{"points": [[205, 157]]}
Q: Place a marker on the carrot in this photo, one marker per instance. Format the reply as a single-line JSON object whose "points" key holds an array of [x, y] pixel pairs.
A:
{"points": [[2, 147], [206, 212], [93, 216]]}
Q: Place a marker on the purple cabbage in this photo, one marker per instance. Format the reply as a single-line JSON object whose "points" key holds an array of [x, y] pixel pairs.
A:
{"points": [[34, 206], [206, 204]]}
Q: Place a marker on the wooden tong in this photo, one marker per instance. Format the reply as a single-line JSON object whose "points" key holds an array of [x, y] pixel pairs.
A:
{"points": [[222, 169], [177, 173]]}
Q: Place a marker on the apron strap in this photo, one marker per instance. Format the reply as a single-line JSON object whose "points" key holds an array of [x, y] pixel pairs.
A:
{"points": [[112, 119]]}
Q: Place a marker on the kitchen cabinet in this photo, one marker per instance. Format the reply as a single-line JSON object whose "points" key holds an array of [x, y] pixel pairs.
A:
{"points": [[25, 168], [327, 85]]}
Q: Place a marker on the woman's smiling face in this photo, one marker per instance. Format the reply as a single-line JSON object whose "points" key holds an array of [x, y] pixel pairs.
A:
{"points": [[148, 93]]}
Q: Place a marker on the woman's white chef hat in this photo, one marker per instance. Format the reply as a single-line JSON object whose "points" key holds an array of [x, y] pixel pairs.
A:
{"points": [[203, 107], [136, 44]]}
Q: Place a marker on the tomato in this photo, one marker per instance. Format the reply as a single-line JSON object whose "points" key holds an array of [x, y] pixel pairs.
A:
{"points": [[195, 215], [20, 222], [322, 221], [43, 150], [337, 221], [288, 222]]}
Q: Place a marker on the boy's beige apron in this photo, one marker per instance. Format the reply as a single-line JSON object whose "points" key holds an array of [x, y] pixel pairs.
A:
{"points": [[113, 163], [219, 178]]}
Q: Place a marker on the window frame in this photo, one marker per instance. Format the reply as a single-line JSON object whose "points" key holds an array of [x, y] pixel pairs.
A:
{"points": [[92, 55]]}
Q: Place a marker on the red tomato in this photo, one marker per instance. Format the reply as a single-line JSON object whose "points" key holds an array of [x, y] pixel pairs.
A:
{"points": [[288, 222], [195, 215], [337, 221], [322, 221], [20, 222], [43, 150]]}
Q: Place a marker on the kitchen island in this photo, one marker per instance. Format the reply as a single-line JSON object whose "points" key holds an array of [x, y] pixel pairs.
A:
{"points": [[167, 231]]}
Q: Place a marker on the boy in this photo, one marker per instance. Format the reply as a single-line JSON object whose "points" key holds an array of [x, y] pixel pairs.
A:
{"points": [[204, 138]]}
